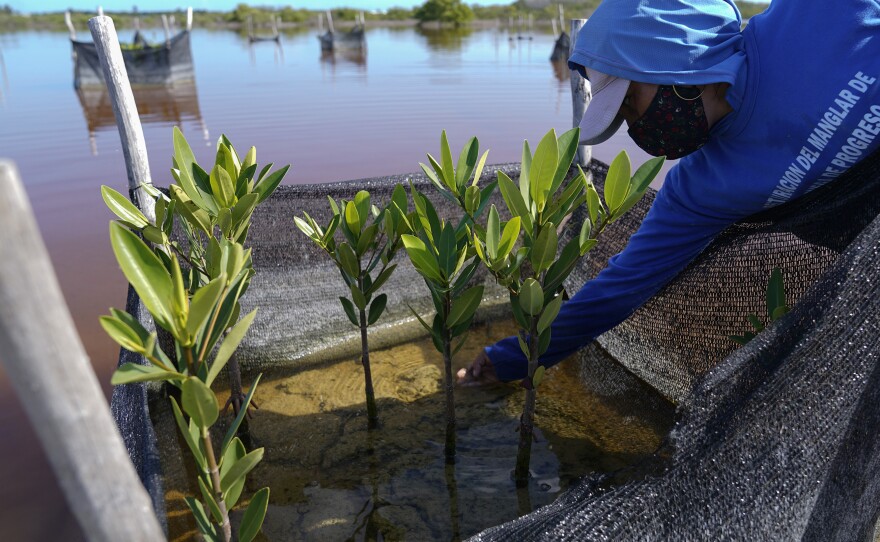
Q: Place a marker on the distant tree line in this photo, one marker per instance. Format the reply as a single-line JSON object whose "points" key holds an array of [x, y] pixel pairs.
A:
{"points": [[445, 12]]}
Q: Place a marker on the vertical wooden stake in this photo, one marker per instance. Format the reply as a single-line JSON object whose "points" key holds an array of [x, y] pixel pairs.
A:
{"points": [[189, 18], [69, 23], [580, 96], [51, 373], [166, 28], [134, 147]]}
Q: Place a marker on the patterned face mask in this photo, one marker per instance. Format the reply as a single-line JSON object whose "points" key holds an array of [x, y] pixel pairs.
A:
{"points": [[674, 124]]}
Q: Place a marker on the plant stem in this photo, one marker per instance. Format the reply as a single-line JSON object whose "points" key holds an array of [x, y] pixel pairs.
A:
{"points": [[372, 411], [214, 472], [450, 385], [527, 420]]}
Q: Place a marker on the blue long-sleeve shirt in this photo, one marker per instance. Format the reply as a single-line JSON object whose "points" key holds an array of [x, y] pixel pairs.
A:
{"points": [[805, 109]]}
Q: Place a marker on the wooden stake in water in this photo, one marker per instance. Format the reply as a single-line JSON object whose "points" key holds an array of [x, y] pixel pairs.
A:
{"points": [[134, 147], [189, 18], [69, 23], [51, 373], [167, 28], [580, 96]]}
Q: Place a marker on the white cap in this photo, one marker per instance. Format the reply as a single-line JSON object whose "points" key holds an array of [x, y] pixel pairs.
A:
{"points": [[602, 118]]}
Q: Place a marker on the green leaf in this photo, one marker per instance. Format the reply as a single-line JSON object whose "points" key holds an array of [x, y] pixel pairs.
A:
{"points": [[543, 169], [133, 372], [464, 307], [493, 234], [617, 182], [243, 210], [254, 516], [775, 291], [424, 261], [146, 273], [123, 208], [778, 313], [531, 297], [466, 163], [362, 204], [349, 311], [376, 308], [562, 267], [543, 342], [742, 339], [380, 280], [447, 251], [229, 346], [524, 170], [306, 228], [518, 313], [353, 219], [508, 237], [268, 185], [567, 145], [594, 205], [191, 435], [154, 235], [234, 452], [549, 314], [240, 469], [544, 250], [211, 502], [236, 423], [222, 187], [756, 323], [514, 201], [538, 377], [478, 172], [419, 318], [360, 301], [399, 199], [123, 334], [446, 160], [184, 160], [366, 238], [207, 528], [472, 199], [203, 305], [349, 260], [639, 183], [199, 402]]}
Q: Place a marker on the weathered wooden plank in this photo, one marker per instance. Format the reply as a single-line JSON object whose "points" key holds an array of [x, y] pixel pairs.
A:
{"points": [[134, 147], [51, 373]]}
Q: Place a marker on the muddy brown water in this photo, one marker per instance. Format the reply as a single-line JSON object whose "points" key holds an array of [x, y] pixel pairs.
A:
{"points": [[332, 479]]}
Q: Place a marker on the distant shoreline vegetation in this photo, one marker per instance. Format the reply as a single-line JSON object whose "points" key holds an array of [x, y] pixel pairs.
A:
{"points": [[444, 12]]}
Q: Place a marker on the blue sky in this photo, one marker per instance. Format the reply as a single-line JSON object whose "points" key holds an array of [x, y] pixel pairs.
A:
{"points": [[27, 6]]}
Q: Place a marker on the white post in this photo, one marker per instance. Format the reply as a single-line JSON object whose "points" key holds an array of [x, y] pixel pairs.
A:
{"points": [[275, 28], [580, 95], [553, 23], [250, 28], [100, 11], [330, 22], [134, 147], [137, 20], [51, 373], [69, 23], [166, 28], [320, 23], [561, 18], [189, 18]]}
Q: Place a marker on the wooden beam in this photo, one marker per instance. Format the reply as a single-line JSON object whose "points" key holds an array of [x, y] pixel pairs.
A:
{"points": [[134, 147], [52, 375], [580, 95]]}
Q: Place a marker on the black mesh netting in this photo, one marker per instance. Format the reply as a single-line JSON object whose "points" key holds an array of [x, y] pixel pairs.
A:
{"points": [[147, 64], [775, 442]]}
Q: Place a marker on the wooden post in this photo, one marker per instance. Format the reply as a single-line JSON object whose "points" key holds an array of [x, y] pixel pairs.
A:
{"points": [[561, 18], [100, 11], [166, 28], [275, 28], [134, 148], [553, 23], [51, 373], [189, 18], [330, 22], [69, 22], [250, 28], [320, 23], [137, 20], [580, 95]]}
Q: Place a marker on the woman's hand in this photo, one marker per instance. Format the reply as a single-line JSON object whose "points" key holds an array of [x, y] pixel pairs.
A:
{"points": [[480, 373]]}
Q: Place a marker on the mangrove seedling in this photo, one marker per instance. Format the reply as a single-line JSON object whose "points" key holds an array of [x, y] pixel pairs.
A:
{"points": [[370, 237], [540, 208], [444, 256], [196, 323], [776, 308], [214, 211]]}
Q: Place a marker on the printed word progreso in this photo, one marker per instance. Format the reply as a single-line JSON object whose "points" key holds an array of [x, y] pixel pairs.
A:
{"points": [[852, 150]]}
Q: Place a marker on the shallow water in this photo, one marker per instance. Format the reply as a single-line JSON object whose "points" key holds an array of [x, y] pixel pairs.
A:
{"points": [[332, 479]]}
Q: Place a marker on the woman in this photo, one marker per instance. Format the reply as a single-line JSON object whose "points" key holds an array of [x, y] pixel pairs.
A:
{"points": [[759, 117]]}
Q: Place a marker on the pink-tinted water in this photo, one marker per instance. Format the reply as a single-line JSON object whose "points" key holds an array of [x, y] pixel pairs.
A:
{"points": [[332, 118]]}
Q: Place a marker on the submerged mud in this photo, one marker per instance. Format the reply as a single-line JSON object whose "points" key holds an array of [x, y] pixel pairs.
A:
{"points": [[332, 479]]}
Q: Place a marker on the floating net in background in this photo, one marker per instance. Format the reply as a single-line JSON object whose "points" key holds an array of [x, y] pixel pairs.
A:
{"points": [[775, 443]]}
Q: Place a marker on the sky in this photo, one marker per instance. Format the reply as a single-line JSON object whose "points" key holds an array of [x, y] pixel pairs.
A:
{"points": [[30, 6]]}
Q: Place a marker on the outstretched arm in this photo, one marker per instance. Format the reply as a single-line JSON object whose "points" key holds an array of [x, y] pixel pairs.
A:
{"points": [[673, 233]]}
